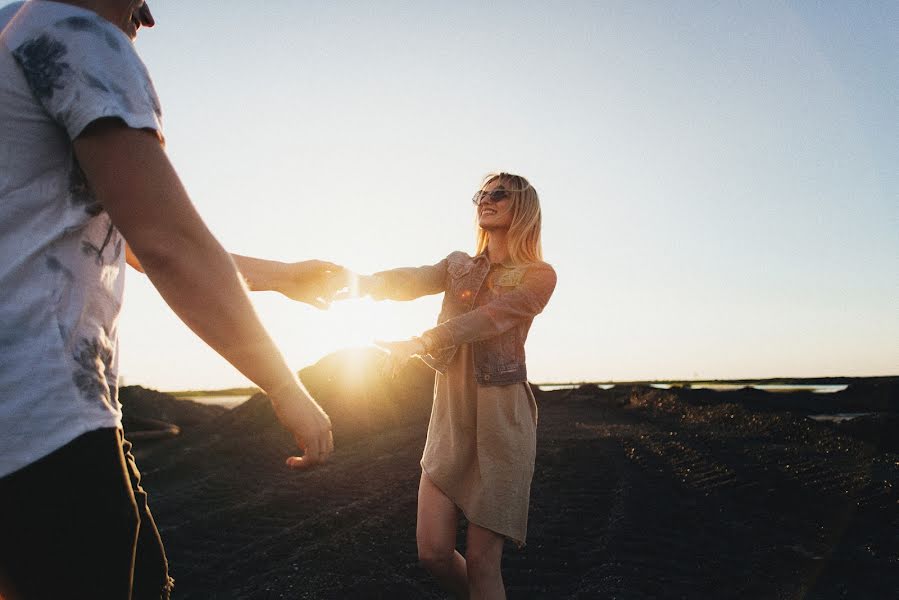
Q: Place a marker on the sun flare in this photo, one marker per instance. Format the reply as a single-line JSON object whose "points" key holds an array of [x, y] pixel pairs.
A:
{"points": [[355, 322]]}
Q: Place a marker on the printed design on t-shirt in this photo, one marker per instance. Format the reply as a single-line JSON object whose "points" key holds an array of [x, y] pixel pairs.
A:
{"points": [[94, 377], [57, 267], [91, 25], [42, 64], [95, 83], [89, 248], [80, 192], [123, 97], [99, 27]]}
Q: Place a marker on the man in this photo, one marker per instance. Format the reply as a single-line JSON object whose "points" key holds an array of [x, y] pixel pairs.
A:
{"points": [[82, 169]]}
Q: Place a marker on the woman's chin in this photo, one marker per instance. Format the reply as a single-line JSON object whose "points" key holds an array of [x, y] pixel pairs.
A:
{"points": [[488, 225]]}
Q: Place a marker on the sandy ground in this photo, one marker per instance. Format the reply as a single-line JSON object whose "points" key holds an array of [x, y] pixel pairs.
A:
{"points": [[638, 493]]}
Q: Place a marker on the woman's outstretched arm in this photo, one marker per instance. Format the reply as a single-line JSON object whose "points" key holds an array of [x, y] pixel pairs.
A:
{"points": [[406, 283], [504, 312]]}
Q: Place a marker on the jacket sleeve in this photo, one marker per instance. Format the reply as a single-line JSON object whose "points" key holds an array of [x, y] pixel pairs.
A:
{"points": [[409, 283], [500, 314]]}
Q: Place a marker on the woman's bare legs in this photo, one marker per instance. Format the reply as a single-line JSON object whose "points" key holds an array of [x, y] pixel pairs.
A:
{"points": [[483, 559], [435, 532]]}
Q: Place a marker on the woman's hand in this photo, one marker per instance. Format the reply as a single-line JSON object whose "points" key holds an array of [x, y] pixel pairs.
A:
{"points": [[399, 354]]}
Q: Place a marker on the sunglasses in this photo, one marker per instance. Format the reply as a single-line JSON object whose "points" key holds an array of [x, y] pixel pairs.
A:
{"points": [[493, 196]]}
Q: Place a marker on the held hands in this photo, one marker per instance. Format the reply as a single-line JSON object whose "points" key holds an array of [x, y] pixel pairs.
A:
{"points": [[369, 285], [305, 419], [314, 282], [358, 286], [399, 354], [319, 283]]}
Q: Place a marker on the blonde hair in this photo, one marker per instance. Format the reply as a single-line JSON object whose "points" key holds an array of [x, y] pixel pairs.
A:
{"points": [[524, 232]]}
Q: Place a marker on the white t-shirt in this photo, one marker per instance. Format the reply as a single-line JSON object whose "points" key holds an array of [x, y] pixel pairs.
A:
{"points": [[61, 259]]}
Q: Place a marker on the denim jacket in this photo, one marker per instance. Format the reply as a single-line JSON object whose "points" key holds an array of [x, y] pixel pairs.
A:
{"points": [[489, 306]]}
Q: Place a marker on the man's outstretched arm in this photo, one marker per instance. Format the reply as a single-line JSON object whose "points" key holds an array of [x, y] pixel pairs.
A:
{"points": [[133, 179], [314, 282]]}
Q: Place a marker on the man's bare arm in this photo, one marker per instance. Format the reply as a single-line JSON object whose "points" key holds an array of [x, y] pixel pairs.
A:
{"points": [[133, 179], [311, 281]]}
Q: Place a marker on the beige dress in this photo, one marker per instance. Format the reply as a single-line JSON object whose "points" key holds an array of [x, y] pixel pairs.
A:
{"points": [[481, 446]]}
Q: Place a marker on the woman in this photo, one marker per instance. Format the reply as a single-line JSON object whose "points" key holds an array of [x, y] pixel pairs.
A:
{"points": [[479, 454]]}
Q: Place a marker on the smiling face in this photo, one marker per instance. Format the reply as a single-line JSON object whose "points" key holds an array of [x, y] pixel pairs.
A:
{"points": [[509, 215], [494, 213]]}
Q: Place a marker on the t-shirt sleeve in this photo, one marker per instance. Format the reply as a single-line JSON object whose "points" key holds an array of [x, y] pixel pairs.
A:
{"points": [[82, 68]]}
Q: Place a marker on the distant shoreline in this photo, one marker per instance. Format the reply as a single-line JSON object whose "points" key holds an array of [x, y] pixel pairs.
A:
{"points": [[250, 391], [761, 381]]}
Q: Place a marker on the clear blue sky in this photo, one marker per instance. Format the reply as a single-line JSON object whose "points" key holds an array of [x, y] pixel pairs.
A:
{"points": [[719, 179]]}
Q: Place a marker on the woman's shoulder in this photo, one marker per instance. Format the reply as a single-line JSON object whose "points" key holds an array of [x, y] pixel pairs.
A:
{"points": [[541, 273], [457, 256], [539, 265]]}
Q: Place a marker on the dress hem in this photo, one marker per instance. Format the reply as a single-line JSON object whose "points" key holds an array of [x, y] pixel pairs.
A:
{"points": [[518, 543]]}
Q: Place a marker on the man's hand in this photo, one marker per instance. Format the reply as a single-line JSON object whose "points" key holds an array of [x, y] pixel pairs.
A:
{"points": [[132, 178], [310, 426], [314, 282], [399, 355]]}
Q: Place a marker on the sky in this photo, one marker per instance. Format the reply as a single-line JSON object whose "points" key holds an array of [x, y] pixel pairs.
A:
{"points": [[718, 179]]}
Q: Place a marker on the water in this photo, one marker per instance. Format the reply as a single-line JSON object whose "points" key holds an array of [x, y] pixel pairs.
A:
{"points": [[570, 386], [232, 401], [839, 417], [818, 389], [768, 387], [226, 401]]}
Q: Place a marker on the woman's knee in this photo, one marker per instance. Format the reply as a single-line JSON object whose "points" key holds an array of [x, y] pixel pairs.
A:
{"points": [[433, 555], [480, 562], [484, 553]]}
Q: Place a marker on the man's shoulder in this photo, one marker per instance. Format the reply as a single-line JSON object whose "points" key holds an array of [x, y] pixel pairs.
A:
{"points": [[80, 68], [8, 12], [28, 21]]}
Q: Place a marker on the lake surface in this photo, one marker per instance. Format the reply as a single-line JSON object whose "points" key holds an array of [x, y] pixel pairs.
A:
{"points": [[721, 387], [226, 401], [839, 417], [571, 386], [232, 401], [768, 387]]}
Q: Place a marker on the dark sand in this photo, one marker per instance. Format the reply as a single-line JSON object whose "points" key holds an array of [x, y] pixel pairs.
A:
{"points": [[638, 493]]}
